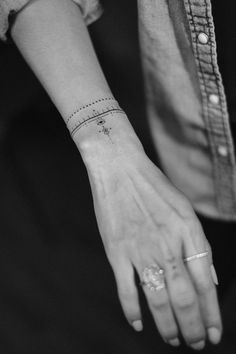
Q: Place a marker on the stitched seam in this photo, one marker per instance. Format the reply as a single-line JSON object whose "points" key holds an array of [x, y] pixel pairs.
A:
{"points": [[206, 107], [206, 113], [221, 109], [214, 69], [226, 204]]}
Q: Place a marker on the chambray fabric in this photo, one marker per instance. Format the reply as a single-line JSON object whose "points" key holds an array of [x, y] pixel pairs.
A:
{"points": [[91, 11], [189, 127], [191, 133]]}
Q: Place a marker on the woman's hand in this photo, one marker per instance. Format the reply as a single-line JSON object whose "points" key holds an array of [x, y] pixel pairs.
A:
{"points": [[143, 219]]}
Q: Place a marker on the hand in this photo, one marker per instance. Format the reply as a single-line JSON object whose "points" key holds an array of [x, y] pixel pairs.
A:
{"points": [[144, 219]]}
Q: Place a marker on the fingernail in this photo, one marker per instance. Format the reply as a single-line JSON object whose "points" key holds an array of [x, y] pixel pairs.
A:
{"points": [[138, 326], [199, 345], [214, 276], [214, 335], [175, 342]]}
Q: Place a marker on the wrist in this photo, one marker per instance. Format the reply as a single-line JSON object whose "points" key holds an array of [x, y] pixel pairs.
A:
{"points": [[102, 132], [101, 148]]}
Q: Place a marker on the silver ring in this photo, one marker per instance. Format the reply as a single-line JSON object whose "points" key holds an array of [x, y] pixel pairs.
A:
{"points": [[196, 256], [153, 277]]}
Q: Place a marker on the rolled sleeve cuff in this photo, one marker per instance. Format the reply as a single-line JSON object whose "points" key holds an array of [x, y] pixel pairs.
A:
{"points": [[91, 10]]}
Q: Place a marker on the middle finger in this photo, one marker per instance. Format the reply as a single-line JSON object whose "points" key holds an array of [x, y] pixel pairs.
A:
{"points": [[159, 305]]}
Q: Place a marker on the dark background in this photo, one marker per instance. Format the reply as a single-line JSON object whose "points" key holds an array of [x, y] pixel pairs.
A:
{"points": [[57, 290]]}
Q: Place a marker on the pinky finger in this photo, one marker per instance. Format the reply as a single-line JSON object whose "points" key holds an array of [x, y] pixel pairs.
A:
{"points": [[211, 265], [128, 294]]}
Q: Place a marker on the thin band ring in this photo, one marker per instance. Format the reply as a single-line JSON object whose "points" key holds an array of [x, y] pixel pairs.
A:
{"points": [[196, 256]]}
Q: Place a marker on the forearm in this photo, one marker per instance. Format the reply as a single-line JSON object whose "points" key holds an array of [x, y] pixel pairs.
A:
{"points": [[52, 37]]}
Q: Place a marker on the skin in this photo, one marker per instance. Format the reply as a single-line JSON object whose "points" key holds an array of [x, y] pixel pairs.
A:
{"points": [[142, 217], [142, 220]]}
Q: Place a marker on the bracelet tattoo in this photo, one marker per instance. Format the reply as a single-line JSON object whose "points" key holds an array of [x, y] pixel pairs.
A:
{"points": [[97, 116], [88, 105]]}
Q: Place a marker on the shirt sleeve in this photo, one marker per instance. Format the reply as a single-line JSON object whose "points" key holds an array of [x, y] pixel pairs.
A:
{"points": [[91, 10]]}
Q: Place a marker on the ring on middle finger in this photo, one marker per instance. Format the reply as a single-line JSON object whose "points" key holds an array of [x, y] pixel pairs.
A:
{"points": [[153, 277]]}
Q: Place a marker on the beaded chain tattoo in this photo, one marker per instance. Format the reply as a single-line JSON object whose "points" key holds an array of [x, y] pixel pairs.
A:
{"points": [[94, 112]]}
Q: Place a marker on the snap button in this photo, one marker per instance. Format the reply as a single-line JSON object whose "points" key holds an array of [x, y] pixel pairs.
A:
{"points": [[222, 150], [214, 98], [203, 38]]}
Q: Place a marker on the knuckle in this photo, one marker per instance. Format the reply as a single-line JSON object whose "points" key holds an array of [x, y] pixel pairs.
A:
{"points": [[171, 262], [205, 287], [170, 258], [185, 301], [160, 306], [173, 266], [176, 273]]}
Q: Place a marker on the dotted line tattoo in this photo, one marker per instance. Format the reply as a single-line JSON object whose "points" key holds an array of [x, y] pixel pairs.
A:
{"points": [[88, 105], [96, 115]]}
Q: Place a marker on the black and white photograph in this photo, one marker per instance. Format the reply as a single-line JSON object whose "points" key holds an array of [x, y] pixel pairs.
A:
{"points": [[117, 177]]}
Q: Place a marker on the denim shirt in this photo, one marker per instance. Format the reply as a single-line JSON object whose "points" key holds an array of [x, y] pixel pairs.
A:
{"points": [[185, 98], [186, 103]]}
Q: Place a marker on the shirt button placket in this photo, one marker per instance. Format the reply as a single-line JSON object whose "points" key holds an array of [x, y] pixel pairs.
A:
{"points": [[216, 116], [214, 110]]}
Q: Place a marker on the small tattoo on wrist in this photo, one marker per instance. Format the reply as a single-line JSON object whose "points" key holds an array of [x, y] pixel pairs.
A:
{"points": [[81, 118], [89, 105]]}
